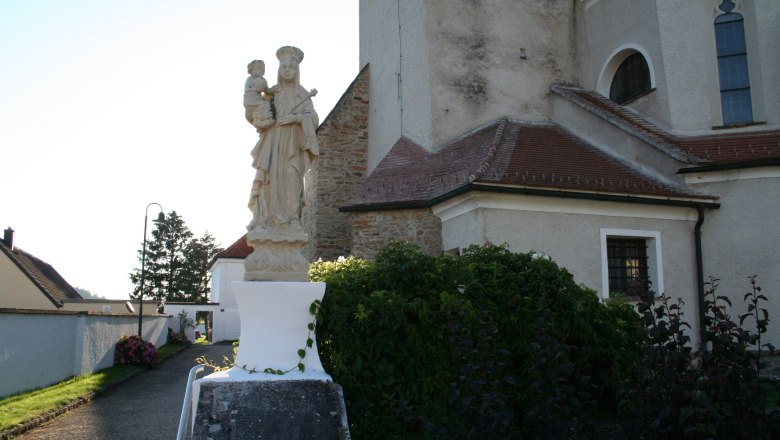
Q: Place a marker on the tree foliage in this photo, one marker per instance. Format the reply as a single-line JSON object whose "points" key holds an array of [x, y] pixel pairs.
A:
{"points": [[176, 263], [490, 344], [86, 294]]}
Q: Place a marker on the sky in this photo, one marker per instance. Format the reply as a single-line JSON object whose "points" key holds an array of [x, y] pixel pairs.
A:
{"points": [[108, 106]]}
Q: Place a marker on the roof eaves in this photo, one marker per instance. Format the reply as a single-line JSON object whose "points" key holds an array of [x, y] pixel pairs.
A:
{"points": [[730, 166], [645, 199]]}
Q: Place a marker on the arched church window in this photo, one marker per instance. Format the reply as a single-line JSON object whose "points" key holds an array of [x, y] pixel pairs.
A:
{"points": [[631, 80], [733, 67]]}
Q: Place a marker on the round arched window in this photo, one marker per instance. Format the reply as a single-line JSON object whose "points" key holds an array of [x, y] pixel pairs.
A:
{"points": [[631, 80]]}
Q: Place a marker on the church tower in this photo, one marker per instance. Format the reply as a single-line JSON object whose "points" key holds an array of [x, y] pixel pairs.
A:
{"points": [[440, 69]]}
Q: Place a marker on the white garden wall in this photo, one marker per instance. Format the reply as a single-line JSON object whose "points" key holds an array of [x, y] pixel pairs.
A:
{"points": [[39, 348]]}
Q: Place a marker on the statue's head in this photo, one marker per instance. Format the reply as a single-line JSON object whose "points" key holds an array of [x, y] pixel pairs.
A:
{"points": [[289, 52], [289, 59], [256, 67]]}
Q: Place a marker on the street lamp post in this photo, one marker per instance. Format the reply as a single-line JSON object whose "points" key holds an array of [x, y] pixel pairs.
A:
{"points": [[160, 217]]}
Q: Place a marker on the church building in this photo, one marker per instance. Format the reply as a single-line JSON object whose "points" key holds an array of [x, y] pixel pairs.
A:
{"points": [[636, 143]]}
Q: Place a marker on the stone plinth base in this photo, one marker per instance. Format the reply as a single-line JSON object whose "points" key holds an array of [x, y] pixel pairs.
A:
{"points": [[277, 256], [297, 409]]}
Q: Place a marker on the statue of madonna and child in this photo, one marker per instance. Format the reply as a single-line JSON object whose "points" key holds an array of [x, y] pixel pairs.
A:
{"points": [[285, 152]]}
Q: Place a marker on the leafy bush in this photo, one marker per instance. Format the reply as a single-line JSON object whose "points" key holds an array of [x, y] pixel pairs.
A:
{"points": [[490, 344], [180, 337], [134, 350], [177, 337], [714, 392]]}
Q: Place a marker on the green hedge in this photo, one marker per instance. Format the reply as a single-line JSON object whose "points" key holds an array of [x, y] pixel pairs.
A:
{"points": [[489, 344]]}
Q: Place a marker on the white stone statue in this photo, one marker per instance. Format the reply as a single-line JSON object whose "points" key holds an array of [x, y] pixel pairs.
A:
{"points": [[286, 150]]}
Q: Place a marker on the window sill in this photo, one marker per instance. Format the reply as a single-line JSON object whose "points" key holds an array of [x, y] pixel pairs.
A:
{"points": [[635, 98], [740, 125]]}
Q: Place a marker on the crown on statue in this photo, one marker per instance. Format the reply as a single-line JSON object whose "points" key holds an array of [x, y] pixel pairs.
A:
{"points": [[289, 52]]}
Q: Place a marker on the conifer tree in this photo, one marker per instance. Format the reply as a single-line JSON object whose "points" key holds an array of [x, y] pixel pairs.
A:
{"points": [[176, 263]]}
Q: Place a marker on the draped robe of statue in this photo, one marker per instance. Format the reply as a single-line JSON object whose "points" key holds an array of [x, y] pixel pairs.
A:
{"points": [[282, 157]]}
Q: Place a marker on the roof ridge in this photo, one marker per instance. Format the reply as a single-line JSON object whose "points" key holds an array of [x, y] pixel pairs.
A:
{"points": [[691, 149], [491, 151], [629, 122]]}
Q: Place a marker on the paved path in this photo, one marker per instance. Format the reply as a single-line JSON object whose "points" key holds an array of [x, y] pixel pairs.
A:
{"points": [[146, 406]]}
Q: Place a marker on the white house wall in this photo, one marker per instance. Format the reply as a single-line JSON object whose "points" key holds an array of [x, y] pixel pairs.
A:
{"points": [[227, 325], [18, 291], [609, 26], [742, 238], [678, 38], [569, 231], [767, 18]]}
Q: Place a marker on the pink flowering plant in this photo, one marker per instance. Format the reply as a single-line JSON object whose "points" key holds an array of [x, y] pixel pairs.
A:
{"points": [[134, 350]]}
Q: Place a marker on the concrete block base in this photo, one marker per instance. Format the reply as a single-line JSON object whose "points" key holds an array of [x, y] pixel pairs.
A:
{"points": [[286, 409]]}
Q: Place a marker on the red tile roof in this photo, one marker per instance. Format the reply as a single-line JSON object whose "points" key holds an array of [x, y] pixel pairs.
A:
{"points": [[238, 250], [538, 155], [715, 149], [549, 156], [42, 274]]}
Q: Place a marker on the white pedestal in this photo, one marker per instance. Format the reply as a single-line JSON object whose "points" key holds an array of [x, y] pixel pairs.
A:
{"points": [[274, 326]]}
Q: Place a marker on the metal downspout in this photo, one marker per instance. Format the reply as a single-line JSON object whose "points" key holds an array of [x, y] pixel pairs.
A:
{"points": [[700, 273]]}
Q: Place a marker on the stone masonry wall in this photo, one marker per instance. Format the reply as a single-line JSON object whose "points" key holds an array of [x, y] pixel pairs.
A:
{"points": [[372, 230], [343, 140]]}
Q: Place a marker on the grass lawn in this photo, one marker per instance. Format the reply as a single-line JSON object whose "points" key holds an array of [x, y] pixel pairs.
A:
{"points": [[18, 409], [772, 390]]}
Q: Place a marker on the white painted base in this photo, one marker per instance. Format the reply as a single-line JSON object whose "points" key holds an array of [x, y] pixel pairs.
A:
{"points": [[274, 326]]}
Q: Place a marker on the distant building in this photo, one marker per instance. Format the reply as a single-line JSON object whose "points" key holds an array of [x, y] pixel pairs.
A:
{"points": [[223, 321], [28, 282]]}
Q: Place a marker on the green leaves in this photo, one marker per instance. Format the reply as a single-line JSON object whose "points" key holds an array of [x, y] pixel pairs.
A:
{"points": [[410, 337], [714, 392]]}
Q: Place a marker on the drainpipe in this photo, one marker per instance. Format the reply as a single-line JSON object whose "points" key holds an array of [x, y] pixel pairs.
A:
{"points": [[700, 273]]}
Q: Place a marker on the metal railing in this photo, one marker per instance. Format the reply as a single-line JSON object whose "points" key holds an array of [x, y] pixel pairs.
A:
{"points": [[185, 424]]}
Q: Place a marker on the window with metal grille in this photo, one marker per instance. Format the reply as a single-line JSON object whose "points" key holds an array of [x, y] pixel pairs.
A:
{"points": [[733, 69], [627, 265], [631, 80]]}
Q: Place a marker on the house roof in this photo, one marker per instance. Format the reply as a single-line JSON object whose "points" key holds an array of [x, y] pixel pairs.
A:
{"points": [[238, 250], [747, 147], [42, 274], [507, 154]]}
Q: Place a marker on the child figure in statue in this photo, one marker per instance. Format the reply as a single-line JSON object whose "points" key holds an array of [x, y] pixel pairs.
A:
{"points": [[257, 96]]}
